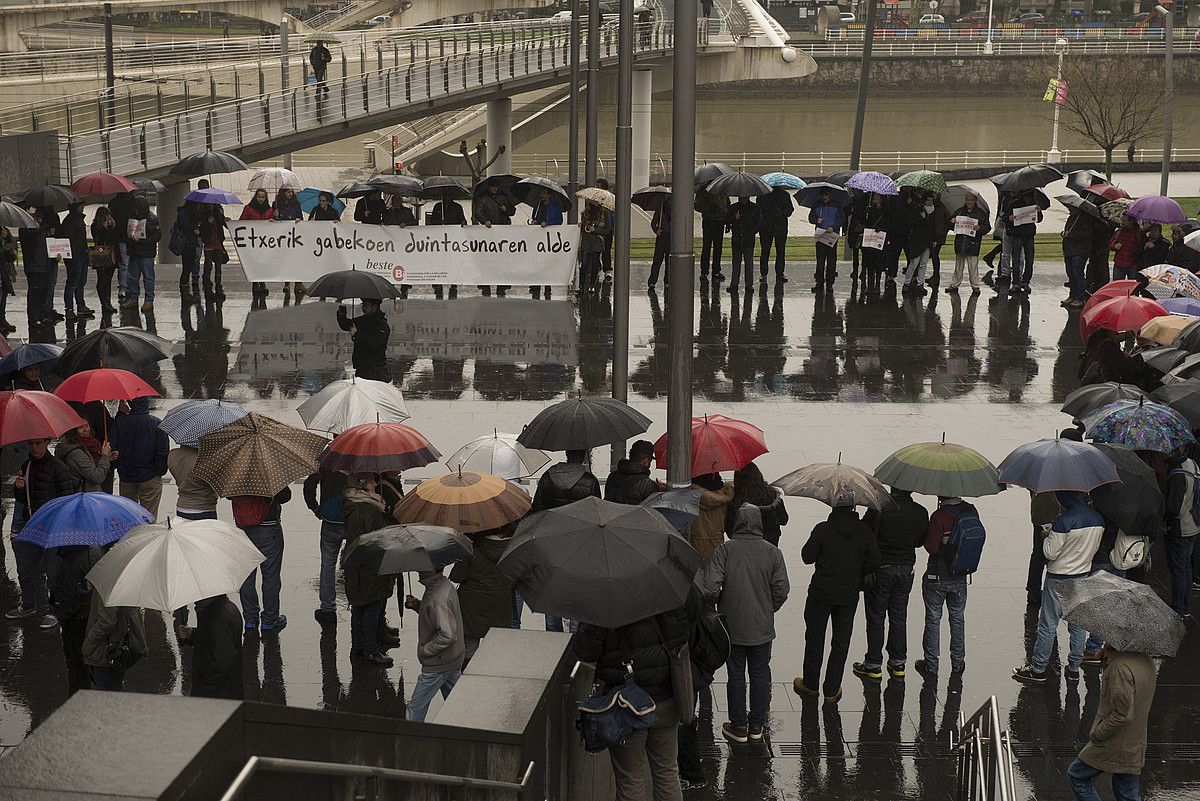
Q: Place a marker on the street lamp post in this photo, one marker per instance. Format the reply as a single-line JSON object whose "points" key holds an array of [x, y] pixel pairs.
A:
{"points": [[285, 58], [1168, 96], [987, 46], [1054, 157], [573, 126]]}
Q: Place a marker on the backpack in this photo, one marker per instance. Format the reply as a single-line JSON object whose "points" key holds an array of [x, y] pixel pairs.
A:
{"points": [[608, 719], [963, 549], [1128, 551], [178, 242], [1195, 480], [710, 644]]}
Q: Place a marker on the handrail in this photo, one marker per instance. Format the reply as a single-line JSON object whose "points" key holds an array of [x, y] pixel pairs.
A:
{"points": [[1000, 33], [985, 766], [906, 48], [314, 768]]}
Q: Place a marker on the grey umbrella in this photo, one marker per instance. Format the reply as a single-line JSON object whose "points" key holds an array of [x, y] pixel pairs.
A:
{"points": [[1183, 397], [399, 185], [528, 190], [356, 189], [599, 562], [13, 216], [1164, 360], [208, 162], [652, 197], [58, 198], [582, 423], [1076, 202], [1135, 503], [1093, 396], [1189, 338], [1127, 615], [1079, 180], [706, 172], [445, 187], [679, 507], [739, 184], [836, 485], [392, 550], [955, 197], [1033, 176]]}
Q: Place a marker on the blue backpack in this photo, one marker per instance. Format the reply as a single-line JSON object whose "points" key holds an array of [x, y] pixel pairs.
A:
{"points": [[608, 719], [963, 549]]}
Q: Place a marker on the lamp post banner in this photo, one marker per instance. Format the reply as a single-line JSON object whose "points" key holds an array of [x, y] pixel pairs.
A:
{"points": [[520, 255]]}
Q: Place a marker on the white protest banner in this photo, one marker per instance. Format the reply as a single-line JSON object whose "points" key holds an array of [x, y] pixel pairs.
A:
{"points": [[521, 255], [1025, 215], [965, 226], [827, 236], [58, 248], [875, 240]]}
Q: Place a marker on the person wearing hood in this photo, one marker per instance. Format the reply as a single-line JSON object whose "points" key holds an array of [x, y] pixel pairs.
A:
{"points": [[108, 629], [370, 333], [748, 579], [216, 644], [630, 482], [142, 449], [749, 486], [74, 228], [71, 598], [707, 531], [941, 588], [142, 249], [366, 591], [1070, 544], [844, 552], [86, 457], [440, 644], [485, 594], [566, 482], [900, 529]]}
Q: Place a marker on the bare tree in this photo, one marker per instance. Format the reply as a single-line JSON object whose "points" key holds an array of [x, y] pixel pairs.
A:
{"points": [[1112, 102], [479, 163]]}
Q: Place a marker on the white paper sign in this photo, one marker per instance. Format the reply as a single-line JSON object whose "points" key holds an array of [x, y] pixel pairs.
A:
{"points": [[1025, 215], [520, 255], [965, 226], [875, 240], [136, 230], [58, 248], [827, 236]]}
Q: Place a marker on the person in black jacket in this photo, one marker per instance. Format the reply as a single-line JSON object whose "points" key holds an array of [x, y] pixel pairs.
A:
{"points": [[447, 212], [660, 224], [216, 649], [1180, 253], [370, 332], [1153, 247], [319, 57], [630, 482], [566, 482], [141, 259], [106, 239], [743, 223], [327, 506], [875, 216], [369, 208], [72, 603], [75, 229], [36, 265], [749, 486], [900, 530], [844, 551], [325, 209], [774, 210]]}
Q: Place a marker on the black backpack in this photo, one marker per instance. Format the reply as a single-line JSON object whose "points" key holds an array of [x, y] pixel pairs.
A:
{"points": [[710, 644]]}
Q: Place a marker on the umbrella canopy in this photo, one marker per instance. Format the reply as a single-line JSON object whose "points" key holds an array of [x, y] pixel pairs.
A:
{"points": [[190, 421], [83, 518], [1076, 202], [33, 414], [836, 485], [719, 443], [1184, 306], [106, 383], [810, 196], [503, 181], [706, 172], [379, 448], [310, 197], [940, 468], [273, 179], [955, 197], [149, 185], [323, 37], [679, 507], [1134, 503], [1192, 240], [1186, 369], [1183, 397], [357, 189], [1165, 330], [1141, 425], [499, 454], [13, 216], [1181, 280], [601, 197], [923, 179], [1057, 464], [876, 182], [392, 550], [599, 562], [1164, 360], [1091, 397], [1114, 210], [256, 455], [352, 284], [528, 190], [1033, 176], [124, 347], [102, 183], [840, 178], [470, 502], [207, 163], [169, 565], [58, 198], [738, 184], [1128, 313], [1105, 192], [582, 423], [1079, 180], [784, 180], [212, 195], [30, 353], [1158, 209], [444, 187], [351, 402], [652, 197], [1129, 616]]}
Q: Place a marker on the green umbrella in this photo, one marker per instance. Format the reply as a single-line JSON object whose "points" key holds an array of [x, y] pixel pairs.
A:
{"points": [[940, 468], [324, 38], [923, 179]]}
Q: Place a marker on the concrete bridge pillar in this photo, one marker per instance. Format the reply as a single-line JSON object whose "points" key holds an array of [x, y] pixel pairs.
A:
{"points": [[499, 132], [642, 92], [165, 206]]}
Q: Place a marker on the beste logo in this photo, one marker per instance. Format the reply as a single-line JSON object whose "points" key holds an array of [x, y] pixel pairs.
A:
{"points": [[398, 273]]}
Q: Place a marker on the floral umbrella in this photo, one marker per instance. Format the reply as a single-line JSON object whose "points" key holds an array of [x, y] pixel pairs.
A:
{"points": [[1141, 425]]}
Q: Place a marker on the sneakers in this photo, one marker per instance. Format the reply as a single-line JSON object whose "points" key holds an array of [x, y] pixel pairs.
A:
{"points": [[756, 732], [1072, 676], [325, 616], [833, 699], [48, 622], [896, 671], [278, 624], [19, 613], [864, 671], [956, 673], [128, 303], [1091, 657], [928, 672], [803, 689], [1027, 675], [736, 734]]}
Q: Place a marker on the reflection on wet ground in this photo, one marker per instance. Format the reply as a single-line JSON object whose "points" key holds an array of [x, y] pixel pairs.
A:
{"points": [[822, 375]]}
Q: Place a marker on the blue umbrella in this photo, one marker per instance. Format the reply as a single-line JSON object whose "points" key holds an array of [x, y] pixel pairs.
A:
{"points": [[784, 180], [309, 197], [217, 197], [679, 507], [31, 353], [190, 421], [1057, 464], [875, 182], [1174, 305], [84, 518], [1141, 425], [810, 195]]}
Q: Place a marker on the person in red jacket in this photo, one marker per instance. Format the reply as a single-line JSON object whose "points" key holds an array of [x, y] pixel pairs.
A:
{"points": [[259, 208], [1124, 245]]}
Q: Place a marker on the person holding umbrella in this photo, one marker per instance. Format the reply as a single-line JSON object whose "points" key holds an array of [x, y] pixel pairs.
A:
{"points": [[714, 213], [35, 263], [142, 245], [1019, 238], [1182, 525], [631, 482], [108, 629], [566, 482], [216, 643], [8, 274], [366, 591], [1124, 244], [826, 216], [1077, 247], [86, 457], [141, 449], [370, 333], [594, 221], [743, 220], [660, 223], [774, 210], [492, 207], [212, 236], [369, 208], [485, 594], [325, 209], [319, 58], [944, 587], [74, 228], [72, 600]]}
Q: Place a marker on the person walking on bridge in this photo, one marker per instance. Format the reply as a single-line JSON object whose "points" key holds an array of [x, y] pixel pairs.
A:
{"points": [[319, 57]]}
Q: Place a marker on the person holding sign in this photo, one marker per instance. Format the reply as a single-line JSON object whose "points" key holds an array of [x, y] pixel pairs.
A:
{"points": [[1021, 214], [74, 229], [875, 221], [829, 219], [970, 226]]}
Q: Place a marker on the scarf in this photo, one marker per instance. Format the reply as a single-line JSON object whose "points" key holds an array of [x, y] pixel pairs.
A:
{"points": [[260, 208], [93, 446]]}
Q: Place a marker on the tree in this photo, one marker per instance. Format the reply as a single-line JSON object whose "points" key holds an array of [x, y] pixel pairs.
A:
{"points": [[1112, 102], [478, 165]]}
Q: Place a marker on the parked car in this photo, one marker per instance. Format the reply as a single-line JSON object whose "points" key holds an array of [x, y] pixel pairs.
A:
{"points": [[931, 19], [976, 19], [1028, 19], [1140, 20], [379, 19]]}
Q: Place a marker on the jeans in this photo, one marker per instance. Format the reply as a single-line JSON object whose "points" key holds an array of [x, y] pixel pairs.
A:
{"points": [[122, 268], [662, 254], [743, 261], [76, 281], [211, 265], [888, 597], [690, 767], [426, 686], [711, 245], [653, 751], [147, 493], [1121, 273], [518, 608], [554, 623], [767, 240], [268, 539], [914, 272], [1077, 276], [332, 537], [31, 575], [1125, 786], [971, 263], [1095, 642], [817, 617], [1020, 250], [758, 659], [364, 626], [1037, 562], [826, 264], [140, 267], [104, 678], [951, 593], [1179, 565], [1048, 622]]}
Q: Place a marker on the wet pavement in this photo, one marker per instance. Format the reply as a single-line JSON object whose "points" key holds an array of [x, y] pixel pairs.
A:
{"points": [[824, 377]]}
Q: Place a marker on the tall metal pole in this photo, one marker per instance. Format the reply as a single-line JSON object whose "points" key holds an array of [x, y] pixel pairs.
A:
{"points": [[573, 135], [864, 80], [285, 57], [1054, 157], [592, 129], [680, 299], [110, 75], [624, 176], [987, 46], [1168, 98]]}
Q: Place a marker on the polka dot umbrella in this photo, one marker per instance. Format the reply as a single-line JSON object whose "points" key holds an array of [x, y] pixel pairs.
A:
{"points": [[256, 455]]}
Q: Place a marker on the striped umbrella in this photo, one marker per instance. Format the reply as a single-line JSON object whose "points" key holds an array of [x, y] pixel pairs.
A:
{"points": [[378, 448], [467, 501], [940, 468], [190, 421]]}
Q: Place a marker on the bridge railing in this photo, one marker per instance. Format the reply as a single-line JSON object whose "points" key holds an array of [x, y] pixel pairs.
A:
{"points": [[906, 48], [1008, 32]]}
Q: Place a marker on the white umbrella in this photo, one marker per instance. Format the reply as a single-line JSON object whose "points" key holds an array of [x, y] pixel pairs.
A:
{"points": [[273, 179], [499, 454], [352, 402], [174, 563]]}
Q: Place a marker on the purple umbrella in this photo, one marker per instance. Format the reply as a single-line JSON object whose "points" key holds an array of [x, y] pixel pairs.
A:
{"points": [[213, 196], [1182, 306], [1158, 209], [875, 182]]}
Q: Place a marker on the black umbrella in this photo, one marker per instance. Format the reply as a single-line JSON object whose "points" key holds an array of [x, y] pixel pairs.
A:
{"points": [[811, 195], [352, 284], [1163, 359], [955, 197], [208, 162], [1079, 180], [399, 185], [1187, 369], [582, 423], [599, 562], [679, 507], [149, 185], [1093, 396], [1189, 226], [504, 181], [124, 348], [840, 178], [1077, 202], [1135, 503], [356, 189], [652, 197], [1189, 338], [528, 190], [1033, 176], [445, 187], [738, 184], [13, 216], [706, 172], [1183, 397], [392, 550], [59, 198]]}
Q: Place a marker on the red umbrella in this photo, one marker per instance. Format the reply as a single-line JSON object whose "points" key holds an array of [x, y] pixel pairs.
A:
{"points": [[378, 448], [1113, 289], [5, 348], [102, 183], [1128, 313], [33, 414], [719, 443], [1107, 191], [106, 383]]}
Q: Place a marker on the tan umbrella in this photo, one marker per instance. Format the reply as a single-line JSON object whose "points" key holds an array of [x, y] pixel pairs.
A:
{"points": [[837, 485], [601, 197], [467, 501], [256, 455]]}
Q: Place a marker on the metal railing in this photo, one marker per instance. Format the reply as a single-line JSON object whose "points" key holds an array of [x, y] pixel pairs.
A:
{"points": [[985, 762], [897, 48], [327, 18], [1006, 33]]}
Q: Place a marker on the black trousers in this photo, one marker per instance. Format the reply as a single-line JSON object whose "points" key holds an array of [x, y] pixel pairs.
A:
{"points": [[1037, 562], [767, 240], [710, 248], [743, 257], [891, 259], [104, 277], [662, 253], [935, 263], [37, 288], [78, 676], [817, 617], [826, 264]]}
